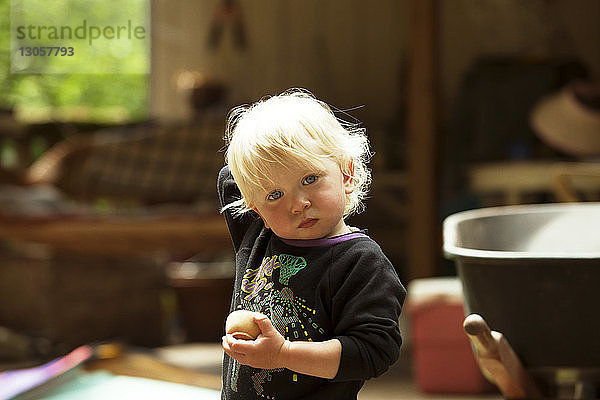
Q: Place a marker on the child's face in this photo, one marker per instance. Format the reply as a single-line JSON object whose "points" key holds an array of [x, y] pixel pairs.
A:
{"points": [[306, 203]]}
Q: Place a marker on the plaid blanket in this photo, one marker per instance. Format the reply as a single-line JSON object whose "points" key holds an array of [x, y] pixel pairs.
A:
{"points": [[152, 163]]}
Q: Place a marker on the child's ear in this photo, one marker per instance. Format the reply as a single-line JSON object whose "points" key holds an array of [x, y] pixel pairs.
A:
{"points": [[261, 217], [348, 179]]}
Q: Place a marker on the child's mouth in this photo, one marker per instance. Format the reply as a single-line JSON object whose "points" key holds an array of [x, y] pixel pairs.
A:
{"points": [[307, 223]]}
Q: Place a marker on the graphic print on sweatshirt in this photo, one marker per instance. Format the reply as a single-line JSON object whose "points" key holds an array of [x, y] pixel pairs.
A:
{"points": [[290, 314]]}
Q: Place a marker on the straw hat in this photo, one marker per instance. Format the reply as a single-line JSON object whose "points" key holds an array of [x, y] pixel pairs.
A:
{"points": [[569, 121]]}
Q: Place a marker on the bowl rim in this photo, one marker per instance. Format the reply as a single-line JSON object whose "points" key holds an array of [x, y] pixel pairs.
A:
{"points": [[450, 223]]}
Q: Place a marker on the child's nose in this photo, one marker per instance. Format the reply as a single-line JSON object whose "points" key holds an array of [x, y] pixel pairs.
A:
{"points": [[301, 203]]}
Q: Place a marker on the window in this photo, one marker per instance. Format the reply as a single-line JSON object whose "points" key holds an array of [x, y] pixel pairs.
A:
{"points": [[106, 81]]}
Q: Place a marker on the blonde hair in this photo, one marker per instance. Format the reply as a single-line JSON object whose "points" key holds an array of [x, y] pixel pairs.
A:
{"points": [[291, 130]]}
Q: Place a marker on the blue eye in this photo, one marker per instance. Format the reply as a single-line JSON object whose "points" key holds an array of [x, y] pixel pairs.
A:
{"points": [[309, 180], [274, 195]]}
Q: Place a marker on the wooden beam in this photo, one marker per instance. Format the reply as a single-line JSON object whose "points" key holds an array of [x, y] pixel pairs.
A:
{"points": [[423, 234]]}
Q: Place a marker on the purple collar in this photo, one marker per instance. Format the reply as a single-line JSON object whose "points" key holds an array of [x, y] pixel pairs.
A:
{"points": [[322, 242]]}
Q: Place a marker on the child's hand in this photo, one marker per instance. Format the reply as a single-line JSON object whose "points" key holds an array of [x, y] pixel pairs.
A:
{"points": [[267, 351]]}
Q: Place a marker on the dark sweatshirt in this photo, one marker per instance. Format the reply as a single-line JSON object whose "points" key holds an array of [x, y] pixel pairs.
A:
{"points": [[312, 290]]}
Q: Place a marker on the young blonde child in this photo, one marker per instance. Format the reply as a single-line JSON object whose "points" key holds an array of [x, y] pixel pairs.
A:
{"points": [[327, 300]]}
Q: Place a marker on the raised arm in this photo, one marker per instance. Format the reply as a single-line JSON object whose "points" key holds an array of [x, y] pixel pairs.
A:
{"points": [[228, 192]]}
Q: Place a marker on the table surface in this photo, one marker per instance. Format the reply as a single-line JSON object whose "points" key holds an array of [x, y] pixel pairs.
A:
{"points": [[514, 179], [121, 236]]}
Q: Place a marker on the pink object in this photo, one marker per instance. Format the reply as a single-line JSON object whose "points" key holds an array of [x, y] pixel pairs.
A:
{"points": [[443, 360]]}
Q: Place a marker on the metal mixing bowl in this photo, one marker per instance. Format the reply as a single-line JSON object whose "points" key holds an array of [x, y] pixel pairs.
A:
{"points": [[533, 273]]}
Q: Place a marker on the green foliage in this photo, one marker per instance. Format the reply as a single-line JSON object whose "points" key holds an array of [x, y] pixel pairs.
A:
{"points": [[102, 97]]}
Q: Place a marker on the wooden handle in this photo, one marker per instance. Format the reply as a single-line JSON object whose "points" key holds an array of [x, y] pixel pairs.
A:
{"points": [[498, 361], [480, 334]]}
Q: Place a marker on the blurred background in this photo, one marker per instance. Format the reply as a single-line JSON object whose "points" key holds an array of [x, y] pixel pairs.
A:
{"points": [[109, 228]]}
